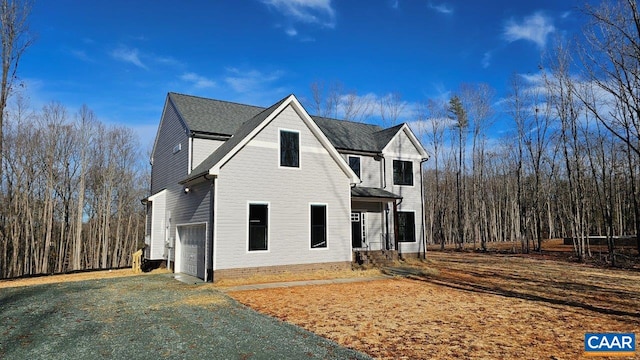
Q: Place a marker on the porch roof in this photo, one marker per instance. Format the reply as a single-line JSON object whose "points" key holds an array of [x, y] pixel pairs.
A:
{"points": [[372, 192]]}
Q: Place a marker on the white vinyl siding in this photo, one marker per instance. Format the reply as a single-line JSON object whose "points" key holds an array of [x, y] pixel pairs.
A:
{"points": [[158, 226], [167, 171], [370, 170], [401, 148], [201, 149], [254, 173]]}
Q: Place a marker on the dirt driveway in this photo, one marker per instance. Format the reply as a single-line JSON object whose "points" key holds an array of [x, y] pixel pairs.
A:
{"points": [[146, 317]]}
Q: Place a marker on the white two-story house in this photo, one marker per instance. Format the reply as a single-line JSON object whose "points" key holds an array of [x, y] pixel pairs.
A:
{"points": [[238, 189]]}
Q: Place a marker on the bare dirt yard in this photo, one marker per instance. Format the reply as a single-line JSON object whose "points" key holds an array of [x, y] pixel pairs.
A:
{"points": [[465, 305]]}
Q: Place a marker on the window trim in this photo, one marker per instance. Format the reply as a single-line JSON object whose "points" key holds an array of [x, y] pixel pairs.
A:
{"points": [[326, 226], [359, 164], [280, 131], [415, 238], [393, 173], [247, 242]]}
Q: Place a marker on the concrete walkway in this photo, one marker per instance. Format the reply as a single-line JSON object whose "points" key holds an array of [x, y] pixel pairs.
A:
{"points": [[302, 283]]}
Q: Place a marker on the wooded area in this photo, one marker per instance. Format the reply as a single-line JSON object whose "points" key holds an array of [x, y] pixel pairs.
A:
{"points": [[71, 192], [70, 186], [568, 164]]}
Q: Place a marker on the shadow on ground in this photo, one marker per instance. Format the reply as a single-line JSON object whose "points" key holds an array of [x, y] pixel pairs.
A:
{"points": [[601, 291], [146, 317]]}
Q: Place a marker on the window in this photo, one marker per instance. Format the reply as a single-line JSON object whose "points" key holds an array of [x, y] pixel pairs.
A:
{"points": [[354, 164], [318, 226], [258, 226], [406, 226], [289, 148], [402, 172]]}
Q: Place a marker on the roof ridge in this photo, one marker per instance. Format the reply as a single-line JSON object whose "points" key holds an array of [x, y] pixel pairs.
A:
{"points": [[218, 100], [392, 127], [343, 120], [375, 127]]}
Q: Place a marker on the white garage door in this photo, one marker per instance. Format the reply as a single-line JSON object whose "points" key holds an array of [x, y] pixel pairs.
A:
{"points": [[192, 239]]}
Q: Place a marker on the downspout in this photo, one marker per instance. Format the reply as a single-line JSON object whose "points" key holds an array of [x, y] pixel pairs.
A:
{"points": [[424, 240], [208, 274], [396, 225], [384, 171], [387, 243]]}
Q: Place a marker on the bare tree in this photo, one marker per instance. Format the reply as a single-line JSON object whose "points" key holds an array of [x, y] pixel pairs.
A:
{"points": [[458, 113], [14, 35], [391, 107], [612, 64], [335, 102], [433, 123], [477, 100], [356, 108]]}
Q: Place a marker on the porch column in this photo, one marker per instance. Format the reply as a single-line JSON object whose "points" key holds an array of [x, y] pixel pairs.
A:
{"points": [[396, 227]]}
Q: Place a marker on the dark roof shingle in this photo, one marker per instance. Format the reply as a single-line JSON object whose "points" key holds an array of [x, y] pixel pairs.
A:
{"points": [[209, 116], [371, 192]]}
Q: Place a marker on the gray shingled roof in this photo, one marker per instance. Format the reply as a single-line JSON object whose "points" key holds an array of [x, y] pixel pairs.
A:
{"points": [[384, 136], [371, 192], [210, 116], [347, 135]]}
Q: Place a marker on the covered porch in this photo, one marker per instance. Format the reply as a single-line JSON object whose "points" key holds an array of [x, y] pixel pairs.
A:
{"points": [[373, 219]]}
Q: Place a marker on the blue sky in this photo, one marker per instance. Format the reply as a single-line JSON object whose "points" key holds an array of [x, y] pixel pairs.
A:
{"points": [[122, 57]]}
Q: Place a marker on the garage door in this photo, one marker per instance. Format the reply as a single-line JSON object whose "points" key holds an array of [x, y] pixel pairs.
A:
{"points": [[192, 239]]}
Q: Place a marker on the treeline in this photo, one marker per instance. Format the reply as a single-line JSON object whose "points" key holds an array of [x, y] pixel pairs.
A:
{"points": [[569, 163], [70, 192]]}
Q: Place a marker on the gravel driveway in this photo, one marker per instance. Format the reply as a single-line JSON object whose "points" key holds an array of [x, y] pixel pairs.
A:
{"points": [[146, 317]]}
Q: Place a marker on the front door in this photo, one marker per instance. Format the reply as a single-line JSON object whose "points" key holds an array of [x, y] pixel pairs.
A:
{"points": [[356, 230]]}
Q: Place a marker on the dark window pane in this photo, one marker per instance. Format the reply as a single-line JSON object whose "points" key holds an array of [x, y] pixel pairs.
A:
{"points": [[258, 225], [318, 226], [406, 226], [402, 172], [289, 149], [354, 164]]}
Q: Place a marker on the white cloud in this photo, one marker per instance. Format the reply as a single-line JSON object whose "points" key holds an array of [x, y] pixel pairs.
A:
{"points": [[291, 32], [395, 4], [168, 60], [251, 80], [441, 8], [533, 79], [307, 11], [533, 28], [81, 55], [128, 55], [486, 59], [198, 81]]}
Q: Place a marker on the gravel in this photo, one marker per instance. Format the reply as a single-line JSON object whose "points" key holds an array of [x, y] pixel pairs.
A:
{"points": [[146, 317]]}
